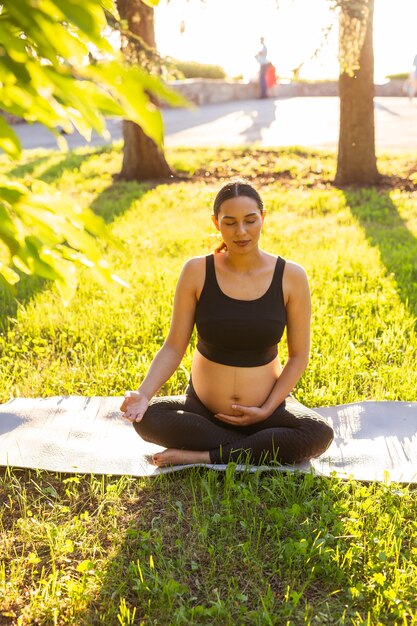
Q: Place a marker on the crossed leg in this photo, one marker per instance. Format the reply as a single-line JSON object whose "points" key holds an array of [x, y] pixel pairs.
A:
{"points": [[191, 434]]}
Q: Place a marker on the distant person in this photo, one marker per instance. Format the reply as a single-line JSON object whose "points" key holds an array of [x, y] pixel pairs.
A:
{"points": [[410, 85], [262, 58], [271, 76], [238, 404], [414, 76]]}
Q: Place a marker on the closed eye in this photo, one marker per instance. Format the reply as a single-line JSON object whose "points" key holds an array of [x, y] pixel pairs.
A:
{"points": [[234, 223]]}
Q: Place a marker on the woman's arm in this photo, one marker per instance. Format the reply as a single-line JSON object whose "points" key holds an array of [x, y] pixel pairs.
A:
{"points": [[298, 309], [168, 358]]}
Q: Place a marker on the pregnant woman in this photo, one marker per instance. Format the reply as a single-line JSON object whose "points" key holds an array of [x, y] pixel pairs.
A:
{"points": [[238, 404]]}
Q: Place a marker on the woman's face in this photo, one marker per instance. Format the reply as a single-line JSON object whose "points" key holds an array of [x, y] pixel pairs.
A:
{"points": [[240, 223]]}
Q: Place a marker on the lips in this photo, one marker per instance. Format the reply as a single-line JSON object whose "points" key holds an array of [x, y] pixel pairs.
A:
{"points": [[241, 243]]}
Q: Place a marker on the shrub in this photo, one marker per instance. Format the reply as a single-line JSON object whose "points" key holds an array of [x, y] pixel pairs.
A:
{"points": [[192, 69], [400, 76]]}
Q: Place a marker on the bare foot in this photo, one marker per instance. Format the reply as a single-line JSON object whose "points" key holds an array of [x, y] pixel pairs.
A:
{"points": [[172, 456]]}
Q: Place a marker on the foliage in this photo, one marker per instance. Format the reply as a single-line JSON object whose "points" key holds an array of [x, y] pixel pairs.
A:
{"points": [[399, 76], [48, 235], [192, 69], [137, 51], [353, 22], [317, 81], [45, 76]]}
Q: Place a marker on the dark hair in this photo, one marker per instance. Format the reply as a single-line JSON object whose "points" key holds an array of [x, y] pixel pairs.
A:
{"points": [[235, 189]]}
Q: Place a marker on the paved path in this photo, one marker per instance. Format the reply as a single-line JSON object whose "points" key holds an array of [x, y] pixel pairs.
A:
{"points": [[310, 122]]}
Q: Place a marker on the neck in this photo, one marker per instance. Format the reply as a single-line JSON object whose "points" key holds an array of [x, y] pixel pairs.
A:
{"points": [[244, 263]]}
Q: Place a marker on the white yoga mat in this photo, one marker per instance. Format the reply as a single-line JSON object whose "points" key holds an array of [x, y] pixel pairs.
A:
{"points": [[373, 440]]}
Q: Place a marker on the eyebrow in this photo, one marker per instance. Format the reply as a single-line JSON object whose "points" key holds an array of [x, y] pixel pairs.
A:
{"points": [[231, 217]]}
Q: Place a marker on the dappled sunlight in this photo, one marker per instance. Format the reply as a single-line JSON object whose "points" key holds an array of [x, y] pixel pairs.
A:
{"points": [[388, 231]]}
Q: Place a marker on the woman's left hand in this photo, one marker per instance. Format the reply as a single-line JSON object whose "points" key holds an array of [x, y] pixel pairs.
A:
{"points": [[248, 415]]}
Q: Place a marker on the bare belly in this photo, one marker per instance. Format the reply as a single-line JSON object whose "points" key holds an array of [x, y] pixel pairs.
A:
{"points": [[219, 386]]}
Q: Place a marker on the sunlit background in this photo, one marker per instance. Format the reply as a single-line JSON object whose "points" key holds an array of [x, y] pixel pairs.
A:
{"points": [[227, 32]]}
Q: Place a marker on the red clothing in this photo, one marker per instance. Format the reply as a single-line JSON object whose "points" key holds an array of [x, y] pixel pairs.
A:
{"points": [[271, 78]]}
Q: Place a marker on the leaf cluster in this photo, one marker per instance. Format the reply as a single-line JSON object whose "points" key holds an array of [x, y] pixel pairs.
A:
{"points": [[46, 76], [353, 23]]}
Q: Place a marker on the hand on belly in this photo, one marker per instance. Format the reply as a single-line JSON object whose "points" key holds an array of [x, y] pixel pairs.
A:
{"points": [[242, 415], [222, 400], [225, 397], [235, 402]]}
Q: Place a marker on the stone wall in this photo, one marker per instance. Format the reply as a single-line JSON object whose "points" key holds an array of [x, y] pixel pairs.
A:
{"points": [[391, 88], [202, 91], [208, 91]]}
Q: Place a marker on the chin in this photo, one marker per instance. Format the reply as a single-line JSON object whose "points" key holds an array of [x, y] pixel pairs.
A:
{"points": [[250, 246]]}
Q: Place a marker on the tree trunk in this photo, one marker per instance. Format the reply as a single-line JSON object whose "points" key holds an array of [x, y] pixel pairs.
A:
{"points": [[142, 159], [356, 162]]}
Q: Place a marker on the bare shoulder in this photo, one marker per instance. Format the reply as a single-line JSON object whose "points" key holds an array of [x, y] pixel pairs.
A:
{"points": [[195, 267], [193, 273], [195, 263], [294, 271], [295, 282]]}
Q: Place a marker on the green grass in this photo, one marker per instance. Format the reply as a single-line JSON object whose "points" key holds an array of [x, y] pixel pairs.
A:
{"points": [[198, 547]]}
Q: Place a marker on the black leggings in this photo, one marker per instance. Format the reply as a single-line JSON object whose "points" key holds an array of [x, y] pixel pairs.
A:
{"points": [[292, 434]]}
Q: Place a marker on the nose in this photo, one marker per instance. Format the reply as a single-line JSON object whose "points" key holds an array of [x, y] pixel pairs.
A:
{"points": [[240, 228]]}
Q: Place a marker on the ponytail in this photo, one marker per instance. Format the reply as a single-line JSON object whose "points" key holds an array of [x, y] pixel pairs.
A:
{"points": [[220, 248]]}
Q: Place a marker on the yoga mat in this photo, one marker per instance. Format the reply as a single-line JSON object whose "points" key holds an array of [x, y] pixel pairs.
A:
{"points": [[373, 440]]}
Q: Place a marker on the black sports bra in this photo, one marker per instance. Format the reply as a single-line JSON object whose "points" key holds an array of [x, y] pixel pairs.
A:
{"points": [[242, 333]]}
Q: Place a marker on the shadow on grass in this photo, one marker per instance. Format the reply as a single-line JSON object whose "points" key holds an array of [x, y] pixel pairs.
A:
{"points": [[122, 580], [110, 204], [173, 563], [117, 198], [130, 573], [27, 169], [65, 161], [18, 296], [386, 230]]}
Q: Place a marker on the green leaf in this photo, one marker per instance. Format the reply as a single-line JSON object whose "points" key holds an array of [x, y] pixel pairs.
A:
{"points": [[17, 72], [42, 267], [11, 192], [7, 226], [109, 6], [87, 16], [45, 32], [9, 275], [122, 83], [8, 231], [15, 46], [44, 77], [85, 566], [62, 43], [9, 141], [50, 234], [26, 102], [68, 286]]}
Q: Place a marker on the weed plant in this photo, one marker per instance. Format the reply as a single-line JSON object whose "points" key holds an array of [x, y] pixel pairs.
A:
{"points": [[196, 546]]}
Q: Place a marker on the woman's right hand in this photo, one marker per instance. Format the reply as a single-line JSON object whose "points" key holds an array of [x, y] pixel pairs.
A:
{"points": [[134, 406]]}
